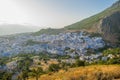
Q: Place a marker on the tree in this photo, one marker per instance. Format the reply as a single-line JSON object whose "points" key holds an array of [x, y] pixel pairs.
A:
{"points": [[54, 67], [23, 75], [36, 72], [64, 66], [26, 62], [7, 76]]}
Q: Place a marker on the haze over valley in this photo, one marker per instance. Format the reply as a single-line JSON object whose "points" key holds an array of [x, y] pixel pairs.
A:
{"points": [[33, 15], [8, 29]]}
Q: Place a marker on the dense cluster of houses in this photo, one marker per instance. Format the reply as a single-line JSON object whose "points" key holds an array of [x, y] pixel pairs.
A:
{"points": [[63, 43]]}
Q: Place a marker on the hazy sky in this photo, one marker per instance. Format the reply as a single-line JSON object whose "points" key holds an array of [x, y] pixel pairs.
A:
{"points": [[49, 13]]}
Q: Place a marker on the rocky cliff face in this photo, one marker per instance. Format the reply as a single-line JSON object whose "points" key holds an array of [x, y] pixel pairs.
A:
{"points": [[110, 27]]}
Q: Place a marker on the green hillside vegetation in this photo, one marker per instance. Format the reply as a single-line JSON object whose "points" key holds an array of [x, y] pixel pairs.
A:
{"points": [[115, 51], [31, 42], [91, 21], [49, 31], [115, 55]]}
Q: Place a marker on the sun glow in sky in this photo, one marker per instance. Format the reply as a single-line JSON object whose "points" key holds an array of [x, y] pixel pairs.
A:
{"points": [[49, 13]]}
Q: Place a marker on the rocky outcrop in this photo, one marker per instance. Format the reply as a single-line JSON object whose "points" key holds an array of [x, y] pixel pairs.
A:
{"points": [[110, 27]]}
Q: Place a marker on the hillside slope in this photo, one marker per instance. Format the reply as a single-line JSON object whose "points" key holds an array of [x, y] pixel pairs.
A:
{"points": [[106, 23], [94, 20], [49, 31]]}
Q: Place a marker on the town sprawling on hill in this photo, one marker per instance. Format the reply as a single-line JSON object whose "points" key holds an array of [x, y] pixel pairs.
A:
{"points": [[86, 50]]}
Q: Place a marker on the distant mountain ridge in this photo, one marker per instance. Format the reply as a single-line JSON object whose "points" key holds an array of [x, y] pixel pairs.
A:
{"points": [[6, 29]]}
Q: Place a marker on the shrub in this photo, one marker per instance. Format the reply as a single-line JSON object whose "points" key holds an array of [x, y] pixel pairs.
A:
{"points": [[79, 63], [114, 61]]}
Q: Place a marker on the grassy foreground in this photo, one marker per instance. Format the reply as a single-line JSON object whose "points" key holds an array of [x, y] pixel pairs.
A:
{"points": [[94, 72]]}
